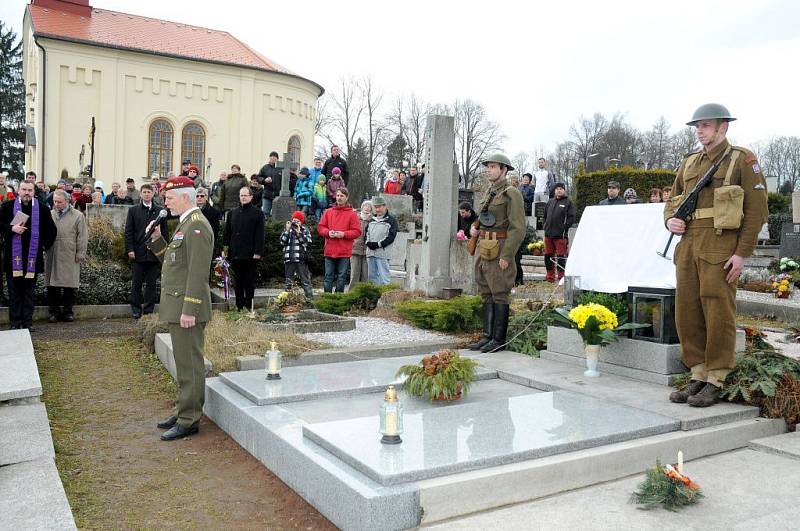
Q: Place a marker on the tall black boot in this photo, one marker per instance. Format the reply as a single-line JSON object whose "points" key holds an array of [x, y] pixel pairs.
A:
{"points": [[498, 341], [488, 326]]}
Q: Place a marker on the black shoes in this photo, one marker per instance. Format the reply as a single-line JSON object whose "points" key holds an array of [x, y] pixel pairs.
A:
{"points": [[499, 329], [488, 323], [178, 432], [708, 396], [693, 387], [167, 424]]}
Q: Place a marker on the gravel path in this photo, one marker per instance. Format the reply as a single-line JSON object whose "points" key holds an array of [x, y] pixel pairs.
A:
{"points": [[375, 331]]}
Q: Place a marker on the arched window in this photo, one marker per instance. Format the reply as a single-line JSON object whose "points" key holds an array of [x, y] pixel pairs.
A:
{"points": [[159, 151], [193, 145], [293, 149]]}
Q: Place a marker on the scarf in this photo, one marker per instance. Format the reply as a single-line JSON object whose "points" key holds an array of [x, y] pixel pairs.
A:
{"points": [[33, 246]]}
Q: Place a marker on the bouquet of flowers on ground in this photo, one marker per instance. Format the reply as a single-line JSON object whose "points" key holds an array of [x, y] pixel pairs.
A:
{"points": [[536, 247], [782, 285], [596, 324], [222, 275]]}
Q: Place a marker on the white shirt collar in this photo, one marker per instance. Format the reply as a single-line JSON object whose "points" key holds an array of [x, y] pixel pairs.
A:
{"points": [[186, 214]]}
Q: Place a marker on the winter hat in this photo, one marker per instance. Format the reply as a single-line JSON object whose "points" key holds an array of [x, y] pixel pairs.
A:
{"points": [[299, 216], [559, 185], [630, 193], [337, 171], [378, 201], [321, 179], [304, 171], [99, 184]]}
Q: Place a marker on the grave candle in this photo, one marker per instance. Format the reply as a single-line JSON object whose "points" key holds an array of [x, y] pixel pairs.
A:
{"points": [[680, 462], [391, 418], [273, 364]]}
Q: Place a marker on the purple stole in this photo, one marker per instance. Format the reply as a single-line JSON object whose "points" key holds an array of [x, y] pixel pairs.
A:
{"points": [[33, 248]]}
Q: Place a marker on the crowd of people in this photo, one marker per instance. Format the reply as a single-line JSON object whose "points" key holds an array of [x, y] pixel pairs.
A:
{"points": [[630, 197], [400, 183]]}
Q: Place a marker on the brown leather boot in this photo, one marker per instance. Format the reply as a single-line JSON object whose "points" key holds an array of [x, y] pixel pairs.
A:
{"points": [[693, 387], [708, 396]]}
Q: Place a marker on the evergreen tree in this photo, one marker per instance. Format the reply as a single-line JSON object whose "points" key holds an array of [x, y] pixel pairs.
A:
{"points": [[12, 104], [396, 153], [361, 185]]}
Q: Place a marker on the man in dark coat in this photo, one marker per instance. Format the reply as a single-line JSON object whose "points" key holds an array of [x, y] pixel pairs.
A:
{"points": [[22, 254], [336, 161], [269, 176], [144, 264], [228, 196], [243, 240], [559, 216]]}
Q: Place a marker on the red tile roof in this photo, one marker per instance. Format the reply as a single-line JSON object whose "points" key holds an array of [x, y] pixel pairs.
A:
{"points": [[150, 35]]}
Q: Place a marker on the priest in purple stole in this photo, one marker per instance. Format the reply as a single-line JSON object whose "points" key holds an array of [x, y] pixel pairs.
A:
{"points": [[24, 243]]}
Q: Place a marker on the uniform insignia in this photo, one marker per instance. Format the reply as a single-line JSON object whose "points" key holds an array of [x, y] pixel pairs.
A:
{"points": [[750, 159], [178, 236], [759, 187], [197, 231], [756, 168]]}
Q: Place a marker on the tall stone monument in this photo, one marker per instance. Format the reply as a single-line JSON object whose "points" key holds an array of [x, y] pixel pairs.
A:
{"points": [[284, 205], [441, 196]]}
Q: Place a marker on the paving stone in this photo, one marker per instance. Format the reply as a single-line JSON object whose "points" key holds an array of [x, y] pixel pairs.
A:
{"points": [[24, 434], [786, 445], [465, 437], [19, 375], [32, 497]]}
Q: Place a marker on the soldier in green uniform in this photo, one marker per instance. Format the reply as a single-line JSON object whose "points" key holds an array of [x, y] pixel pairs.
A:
{"points": [[712, 250], [185, 301], [501, 231]]}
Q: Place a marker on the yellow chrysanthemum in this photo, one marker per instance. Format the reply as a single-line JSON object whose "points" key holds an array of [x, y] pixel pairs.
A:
{"points": [[605, 317], [784, 288]]}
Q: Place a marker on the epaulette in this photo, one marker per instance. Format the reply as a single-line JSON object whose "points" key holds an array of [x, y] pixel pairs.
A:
{"points": [[749, 157], [195, 217], [692, 153]]}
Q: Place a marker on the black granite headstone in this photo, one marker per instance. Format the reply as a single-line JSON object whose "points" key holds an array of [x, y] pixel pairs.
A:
{"points": [[538, 212], [790, 240]]}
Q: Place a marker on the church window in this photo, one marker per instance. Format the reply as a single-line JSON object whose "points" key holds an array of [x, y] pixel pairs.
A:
{"points": [[159, 153], [193, 145], [293, 149]]}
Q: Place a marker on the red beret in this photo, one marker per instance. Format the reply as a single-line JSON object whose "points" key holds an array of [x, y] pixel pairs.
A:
{"points": [[299, 216], [193, 168], [178, 182]]}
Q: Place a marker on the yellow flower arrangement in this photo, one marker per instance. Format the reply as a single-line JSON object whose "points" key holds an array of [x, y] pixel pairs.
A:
{"points": [[606, 319], [596, 324]]}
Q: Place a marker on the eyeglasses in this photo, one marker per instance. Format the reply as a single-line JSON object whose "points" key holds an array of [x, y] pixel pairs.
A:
{"points": [[201, 195]]}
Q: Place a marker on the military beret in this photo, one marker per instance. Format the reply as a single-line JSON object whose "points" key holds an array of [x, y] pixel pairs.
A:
{"points": [[193, 168], [179, 182]]}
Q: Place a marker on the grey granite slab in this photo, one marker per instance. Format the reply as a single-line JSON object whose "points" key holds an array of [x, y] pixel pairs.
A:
{"points": [[551, 375], [610, 368], [32, 497], [787, 444], [471, 436], [310, 382], [24, 434], [19, 375]]}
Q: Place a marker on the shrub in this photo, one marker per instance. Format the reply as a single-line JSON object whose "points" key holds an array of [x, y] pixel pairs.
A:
{"points": [[779, 203], [616, 302], [105, 242], [786, 402], [271, 264], [102, 282], [363, 297], [527, 331], [775, 222], [757, 373], [460, 313], [590, 188]]}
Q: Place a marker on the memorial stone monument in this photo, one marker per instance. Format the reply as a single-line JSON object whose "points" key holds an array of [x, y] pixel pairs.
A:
{"points": [[284, 205]]}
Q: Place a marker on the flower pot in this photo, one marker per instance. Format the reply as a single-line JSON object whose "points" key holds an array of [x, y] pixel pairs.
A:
{"points": [[536, 252], [442, 398], [782, 294], [592, 355]]}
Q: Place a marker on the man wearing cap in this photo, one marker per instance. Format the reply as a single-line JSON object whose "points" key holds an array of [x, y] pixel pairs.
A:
{"points": [[133, 193], [295, 240], [269, 176], [502, 229], [710, 256], [185, 165], [613, 195], [303, 191], [381, 232], [630, 197], [185, 301], [559, 215]]}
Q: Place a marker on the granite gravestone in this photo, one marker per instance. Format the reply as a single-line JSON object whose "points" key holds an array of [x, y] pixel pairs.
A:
{"points": [[790, 240], [284, 205], [538, 213]]}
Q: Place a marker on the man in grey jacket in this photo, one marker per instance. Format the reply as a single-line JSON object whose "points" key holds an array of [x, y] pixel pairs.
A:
{"points": [[381, 232]]}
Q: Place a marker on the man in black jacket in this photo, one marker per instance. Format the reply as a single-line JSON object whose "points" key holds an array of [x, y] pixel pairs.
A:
{"points": [[243, 241], [24, 243], [558, 218], [270, 178], [212, 214], [144, 264], [336, 161]]}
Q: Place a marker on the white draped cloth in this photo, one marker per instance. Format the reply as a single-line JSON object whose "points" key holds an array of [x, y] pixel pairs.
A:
{"points": [[616, 247]]}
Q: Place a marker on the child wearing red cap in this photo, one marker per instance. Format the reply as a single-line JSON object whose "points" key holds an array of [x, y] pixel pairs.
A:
{"points": [[296, 240]]}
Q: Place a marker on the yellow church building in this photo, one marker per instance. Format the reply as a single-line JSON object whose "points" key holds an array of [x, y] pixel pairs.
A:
{"points": [[159, 92]]}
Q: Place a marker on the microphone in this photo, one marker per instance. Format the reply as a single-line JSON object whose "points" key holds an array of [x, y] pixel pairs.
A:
{"points": [[161, 215]]}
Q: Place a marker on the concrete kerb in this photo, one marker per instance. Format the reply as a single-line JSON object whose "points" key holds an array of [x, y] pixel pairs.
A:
{"points": [[91, 311], [336, 355], [778, 310], [163, 348]]}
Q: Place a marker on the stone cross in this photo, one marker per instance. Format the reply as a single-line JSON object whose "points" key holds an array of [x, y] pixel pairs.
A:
{"points": [[287, 165]]}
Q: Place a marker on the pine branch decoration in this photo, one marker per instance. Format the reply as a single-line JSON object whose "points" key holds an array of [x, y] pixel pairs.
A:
{"points": [[664, 486]]}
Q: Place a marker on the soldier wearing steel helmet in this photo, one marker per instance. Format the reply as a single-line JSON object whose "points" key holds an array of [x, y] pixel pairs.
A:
{"points": [[500, 232], [710, 256]]}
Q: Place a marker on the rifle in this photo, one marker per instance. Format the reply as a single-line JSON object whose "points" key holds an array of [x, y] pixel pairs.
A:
{"points": [[689, 204], [473, 240]]}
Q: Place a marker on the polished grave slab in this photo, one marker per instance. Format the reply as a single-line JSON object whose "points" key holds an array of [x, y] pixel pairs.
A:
{"points": [[484, 433], [311, 382]]}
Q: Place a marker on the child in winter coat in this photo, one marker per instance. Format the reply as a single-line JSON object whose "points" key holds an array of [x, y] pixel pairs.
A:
{"points": [[319, 201], [296, 239]]}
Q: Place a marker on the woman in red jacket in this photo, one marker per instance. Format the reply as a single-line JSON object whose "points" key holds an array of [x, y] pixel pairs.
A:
{"points": [[393, 185], [339, 226]]}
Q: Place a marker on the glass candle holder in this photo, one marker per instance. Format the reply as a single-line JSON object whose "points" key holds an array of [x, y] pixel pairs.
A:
{"points": [[391, 418]]}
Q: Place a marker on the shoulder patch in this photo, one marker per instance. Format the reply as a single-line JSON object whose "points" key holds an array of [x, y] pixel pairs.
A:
{"points": [[750, 159]]}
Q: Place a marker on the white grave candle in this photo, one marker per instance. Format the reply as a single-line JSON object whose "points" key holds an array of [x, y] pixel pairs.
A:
{"points": [[680, 462]]}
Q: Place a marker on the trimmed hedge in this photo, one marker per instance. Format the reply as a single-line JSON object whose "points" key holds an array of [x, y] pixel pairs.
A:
{"points": [[590, 188], [779, 203], [775, 222], [364, 296], [460, 313]]}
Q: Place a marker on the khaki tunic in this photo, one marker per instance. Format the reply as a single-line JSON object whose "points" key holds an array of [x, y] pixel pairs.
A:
{"points": [[495, 284], [705, 306], [62, 268]]}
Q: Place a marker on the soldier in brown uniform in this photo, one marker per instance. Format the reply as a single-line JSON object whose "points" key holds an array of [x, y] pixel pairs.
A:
{"points": [[185, 301], [501, 231], [711, 253]]}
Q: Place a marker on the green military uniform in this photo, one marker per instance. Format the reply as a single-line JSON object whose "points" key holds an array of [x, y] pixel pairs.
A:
{"points": [[499, 241], [185, 290], [705, 311]]}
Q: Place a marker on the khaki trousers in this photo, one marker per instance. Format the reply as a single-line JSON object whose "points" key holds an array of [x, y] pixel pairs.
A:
{"points": [[187, 347]]}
